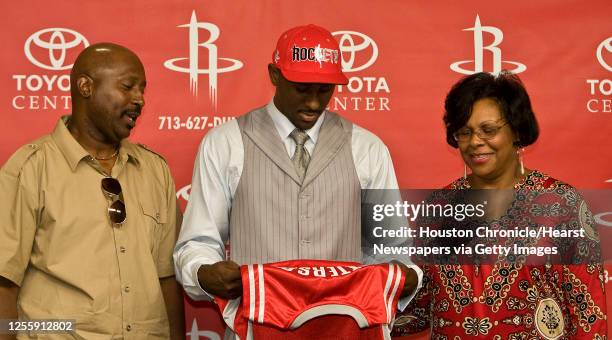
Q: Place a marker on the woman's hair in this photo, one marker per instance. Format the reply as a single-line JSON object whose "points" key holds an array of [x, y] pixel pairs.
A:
{"points": [[506, 89]]}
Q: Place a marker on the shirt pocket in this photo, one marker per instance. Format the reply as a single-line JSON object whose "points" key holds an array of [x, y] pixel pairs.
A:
{"points": [[155, 218]]}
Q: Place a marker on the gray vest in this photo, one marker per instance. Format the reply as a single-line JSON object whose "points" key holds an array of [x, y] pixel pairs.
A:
{"points": [[274, 218]]}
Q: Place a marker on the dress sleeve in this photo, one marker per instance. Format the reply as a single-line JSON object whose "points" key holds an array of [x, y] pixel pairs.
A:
{"points": [[417, 315], [583, 281]]}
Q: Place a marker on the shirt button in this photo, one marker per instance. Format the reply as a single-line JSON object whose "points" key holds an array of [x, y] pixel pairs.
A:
{"points": [[128, 328], [126, 289], [157, 215], [122, 249]]}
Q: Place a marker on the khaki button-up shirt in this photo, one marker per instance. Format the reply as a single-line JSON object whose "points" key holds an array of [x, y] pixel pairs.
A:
{"points": [[59, 245]]}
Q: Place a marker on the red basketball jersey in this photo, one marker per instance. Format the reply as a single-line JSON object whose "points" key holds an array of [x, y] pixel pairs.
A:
{"points": [[315, 299]]}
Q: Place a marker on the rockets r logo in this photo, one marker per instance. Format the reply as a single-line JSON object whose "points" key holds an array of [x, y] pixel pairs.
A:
{"points": [[194, 69]]}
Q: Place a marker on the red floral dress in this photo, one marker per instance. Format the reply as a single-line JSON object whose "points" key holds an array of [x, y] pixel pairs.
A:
{"points": [[513, 300]]}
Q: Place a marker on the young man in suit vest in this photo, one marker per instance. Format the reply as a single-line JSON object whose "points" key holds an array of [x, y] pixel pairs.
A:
{"points": [[284, 181]]}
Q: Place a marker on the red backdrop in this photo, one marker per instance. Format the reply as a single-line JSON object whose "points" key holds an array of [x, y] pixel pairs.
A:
{"points": [[206, 62]]}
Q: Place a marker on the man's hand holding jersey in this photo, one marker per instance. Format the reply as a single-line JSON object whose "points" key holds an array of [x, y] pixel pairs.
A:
{"points": [[223, 279]]}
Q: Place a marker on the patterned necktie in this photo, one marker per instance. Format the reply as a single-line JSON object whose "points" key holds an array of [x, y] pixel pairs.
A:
{"points": [[300, 158]]}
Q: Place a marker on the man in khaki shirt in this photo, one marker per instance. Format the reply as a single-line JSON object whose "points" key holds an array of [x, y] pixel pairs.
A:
{"points": [[78, 245]]}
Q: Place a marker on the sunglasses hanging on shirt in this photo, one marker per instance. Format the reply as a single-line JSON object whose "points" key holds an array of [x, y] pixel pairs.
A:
{"points": [[116, 210]]}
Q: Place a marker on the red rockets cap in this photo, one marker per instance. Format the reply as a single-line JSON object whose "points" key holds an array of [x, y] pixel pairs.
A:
{"points": [[309, 54]]}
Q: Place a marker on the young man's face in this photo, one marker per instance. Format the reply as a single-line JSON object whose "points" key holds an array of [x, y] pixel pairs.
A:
{"points": [[301, 103]]}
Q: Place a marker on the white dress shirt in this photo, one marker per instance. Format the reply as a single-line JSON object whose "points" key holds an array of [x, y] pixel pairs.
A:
{"points": [[217, 170]]}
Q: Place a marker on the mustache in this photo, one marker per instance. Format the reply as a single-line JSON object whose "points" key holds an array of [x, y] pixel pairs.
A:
{"points": [[137, 109]]}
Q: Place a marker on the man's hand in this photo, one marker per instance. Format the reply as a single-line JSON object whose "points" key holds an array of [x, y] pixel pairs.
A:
{"points": [[411, 281], [173, 297], [8, 303], [221, 279]]}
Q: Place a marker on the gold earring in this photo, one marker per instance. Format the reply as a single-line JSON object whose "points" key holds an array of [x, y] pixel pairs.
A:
{"points": [[519, 153]]}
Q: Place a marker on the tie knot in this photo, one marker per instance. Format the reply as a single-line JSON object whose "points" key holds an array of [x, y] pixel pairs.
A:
{"points": [[299, 136]]}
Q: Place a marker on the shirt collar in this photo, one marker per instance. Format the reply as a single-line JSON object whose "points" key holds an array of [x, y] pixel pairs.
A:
{"points": [[130, 150], [74, 152], [285, 127]]}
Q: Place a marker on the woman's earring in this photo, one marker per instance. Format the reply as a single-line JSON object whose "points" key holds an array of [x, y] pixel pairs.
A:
{"points": [[519, 153]]}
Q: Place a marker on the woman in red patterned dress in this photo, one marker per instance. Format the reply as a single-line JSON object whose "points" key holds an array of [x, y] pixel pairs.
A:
{"points": [[489, 119]]}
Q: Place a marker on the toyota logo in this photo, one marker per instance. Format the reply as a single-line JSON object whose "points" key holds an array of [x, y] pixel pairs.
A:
{"points": [[57, 44], [607, 46], [352, 42]]}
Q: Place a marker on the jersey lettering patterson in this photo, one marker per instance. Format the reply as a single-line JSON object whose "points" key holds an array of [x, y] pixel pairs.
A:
{"points": [[298, 299]]}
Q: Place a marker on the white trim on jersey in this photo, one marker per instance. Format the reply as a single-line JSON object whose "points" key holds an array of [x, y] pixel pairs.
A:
{"points": [[251, 292], [328, 309], [229, 312], [398, 277], [386, 332], [387, 287], [249, 335], [262, 294]]}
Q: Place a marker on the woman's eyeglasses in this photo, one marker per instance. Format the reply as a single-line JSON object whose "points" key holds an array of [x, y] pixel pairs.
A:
{"points": [[485, 132]]}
